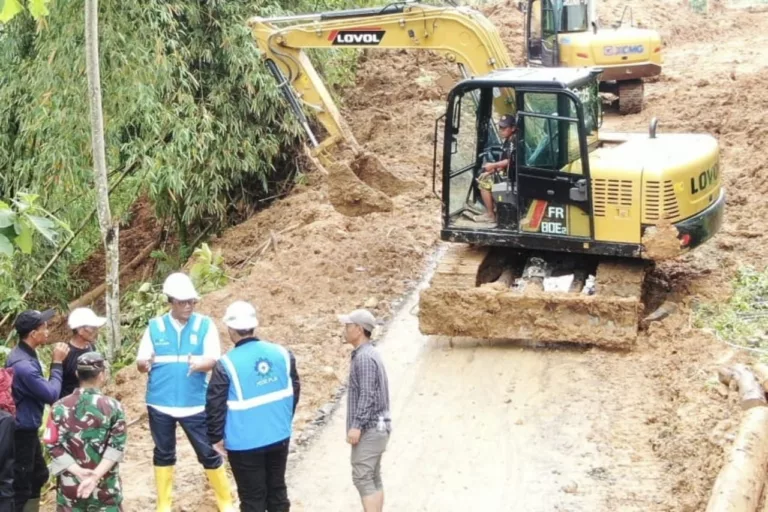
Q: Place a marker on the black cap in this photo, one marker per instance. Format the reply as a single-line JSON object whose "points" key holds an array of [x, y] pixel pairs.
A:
{"points": [[31, 319], [91, 361], [508, 121]]}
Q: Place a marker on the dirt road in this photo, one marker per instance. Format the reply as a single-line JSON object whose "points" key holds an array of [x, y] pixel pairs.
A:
{"points": [[500, 427]]}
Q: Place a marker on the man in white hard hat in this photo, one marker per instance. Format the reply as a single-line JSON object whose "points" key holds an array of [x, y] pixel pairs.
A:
{"points": [[85, 325], [252, 397], [178, 350], [369, 422]]}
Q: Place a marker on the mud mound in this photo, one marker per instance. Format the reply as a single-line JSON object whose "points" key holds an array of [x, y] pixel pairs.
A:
{"points": [[661, 241], [373, 173], [510, 23], [351, 196]]}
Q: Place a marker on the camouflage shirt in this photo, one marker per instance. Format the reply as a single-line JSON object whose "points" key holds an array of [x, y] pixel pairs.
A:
{"points": [[83, 428]]}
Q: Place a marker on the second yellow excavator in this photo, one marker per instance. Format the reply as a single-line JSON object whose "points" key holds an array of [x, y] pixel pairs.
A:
{"points": [[579, 216], [566, 33]]}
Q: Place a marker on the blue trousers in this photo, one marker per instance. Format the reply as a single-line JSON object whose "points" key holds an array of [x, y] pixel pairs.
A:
{"points": [[163, 429]]}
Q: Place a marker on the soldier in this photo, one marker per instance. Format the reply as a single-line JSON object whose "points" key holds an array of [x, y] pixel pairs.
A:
{"points": [[86, 435]]}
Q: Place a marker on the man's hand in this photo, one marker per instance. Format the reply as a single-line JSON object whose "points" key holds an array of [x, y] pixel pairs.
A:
{"points": [[87, 486], [219, 447], [195, 365], [489, 167], [353, 436], [60, 351], [146, 365], [80, 472]]}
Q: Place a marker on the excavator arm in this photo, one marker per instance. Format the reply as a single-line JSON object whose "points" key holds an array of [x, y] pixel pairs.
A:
{"points": [[462, 35]]}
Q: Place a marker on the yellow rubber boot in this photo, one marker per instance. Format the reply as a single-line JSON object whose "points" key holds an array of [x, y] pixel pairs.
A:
{"points": [[164, 485], [220, 484]]}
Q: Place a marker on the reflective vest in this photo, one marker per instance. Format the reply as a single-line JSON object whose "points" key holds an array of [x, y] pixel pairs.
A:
{"points": [[260, 399], [169, 385]]}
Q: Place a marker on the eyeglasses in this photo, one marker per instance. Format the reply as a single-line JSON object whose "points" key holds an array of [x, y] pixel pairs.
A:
{"points": [[190, 302]]}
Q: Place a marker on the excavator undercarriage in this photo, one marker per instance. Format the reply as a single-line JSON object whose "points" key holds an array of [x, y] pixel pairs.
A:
{"points": [[498, 293]]}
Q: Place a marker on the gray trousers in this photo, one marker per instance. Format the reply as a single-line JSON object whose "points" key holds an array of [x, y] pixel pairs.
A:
{"points": [[366, 461]]}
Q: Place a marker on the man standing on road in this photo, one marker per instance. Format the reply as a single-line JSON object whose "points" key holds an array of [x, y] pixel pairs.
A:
{"points": [[251, 401], [85, 331], [31, 392], [7, 431], [178, 349], [86, 435], [369, 422]]}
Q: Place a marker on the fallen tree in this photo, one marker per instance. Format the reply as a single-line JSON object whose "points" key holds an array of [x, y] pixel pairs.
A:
{"points": [[739, 485], [750, 389]]}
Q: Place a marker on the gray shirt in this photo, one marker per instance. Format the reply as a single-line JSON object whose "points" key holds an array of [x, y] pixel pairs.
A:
{"points": [[368, 394]]}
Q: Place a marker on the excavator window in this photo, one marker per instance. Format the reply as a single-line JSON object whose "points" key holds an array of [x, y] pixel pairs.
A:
{"points": [[550, 136], [574, 15], [464, 150]]}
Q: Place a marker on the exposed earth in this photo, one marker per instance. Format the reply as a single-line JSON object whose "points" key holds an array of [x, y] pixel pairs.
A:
{"points": [[502, 426]]}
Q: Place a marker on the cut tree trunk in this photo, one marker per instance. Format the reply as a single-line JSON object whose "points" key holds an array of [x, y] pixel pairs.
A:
{"points": [[750, 389], [761, 372], [109, 230], [93, 294], [739, 485]]}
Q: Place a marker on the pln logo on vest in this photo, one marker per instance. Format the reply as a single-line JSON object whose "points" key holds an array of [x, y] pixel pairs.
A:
{"points": [[264, 372]]}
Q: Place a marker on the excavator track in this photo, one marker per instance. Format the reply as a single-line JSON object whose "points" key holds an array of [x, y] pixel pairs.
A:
{"points": [[463, 300], [631, 94]]}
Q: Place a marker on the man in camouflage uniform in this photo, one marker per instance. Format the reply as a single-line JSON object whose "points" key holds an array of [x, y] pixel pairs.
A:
{"points": [[86, 437]]}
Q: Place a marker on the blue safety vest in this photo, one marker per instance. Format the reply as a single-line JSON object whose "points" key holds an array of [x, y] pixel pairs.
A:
{"points": [[169, 385], [260, 399]]}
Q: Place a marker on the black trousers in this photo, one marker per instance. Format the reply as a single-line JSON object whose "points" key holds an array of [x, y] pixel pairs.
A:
{"points": [[30, 472], [260, 478]]}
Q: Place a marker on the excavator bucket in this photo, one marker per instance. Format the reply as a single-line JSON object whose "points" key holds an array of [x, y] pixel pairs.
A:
{"points": [[479, 293]]}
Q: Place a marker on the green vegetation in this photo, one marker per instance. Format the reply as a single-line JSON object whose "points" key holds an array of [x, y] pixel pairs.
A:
{"points": [[743, 319], [193, 122]]}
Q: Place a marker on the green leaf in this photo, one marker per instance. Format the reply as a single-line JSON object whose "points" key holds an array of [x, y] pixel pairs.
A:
{"points": [[7, 218], [6, 247], [24, 240], [43, 226], [38, 8], [10, 9]]}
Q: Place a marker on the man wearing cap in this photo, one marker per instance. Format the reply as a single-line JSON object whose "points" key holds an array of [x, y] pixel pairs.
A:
{"points": [[252, 397], [86, 436], [178, 349], [508, 130], [85, 326], [369, 422], [31, 392]]}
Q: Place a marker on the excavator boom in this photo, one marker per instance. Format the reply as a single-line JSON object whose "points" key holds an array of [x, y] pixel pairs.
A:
{"points": [[462, 35]]}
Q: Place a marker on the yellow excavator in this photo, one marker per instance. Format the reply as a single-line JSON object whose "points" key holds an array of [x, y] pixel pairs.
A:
{"points": [[567, 33], [580, 216]]}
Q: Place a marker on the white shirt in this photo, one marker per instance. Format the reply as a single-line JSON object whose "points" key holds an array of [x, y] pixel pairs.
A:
{"points": [[211, 349]]}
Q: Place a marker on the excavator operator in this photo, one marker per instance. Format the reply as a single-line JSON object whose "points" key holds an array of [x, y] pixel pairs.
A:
{"points": [[508, 130]]}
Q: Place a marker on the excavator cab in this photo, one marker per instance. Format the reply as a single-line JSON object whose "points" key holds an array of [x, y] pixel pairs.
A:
{"points": [[544, 198]]}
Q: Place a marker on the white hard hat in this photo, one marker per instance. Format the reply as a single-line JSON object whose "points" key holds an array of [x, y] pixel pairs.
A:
{"points": [[241, 316], [85, 317], [179, 286]]}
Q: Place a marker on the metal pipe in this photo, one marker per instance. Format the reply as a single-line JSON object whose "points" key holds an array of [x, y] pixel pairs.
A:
{"points": [[394, 8], [292, 100]]}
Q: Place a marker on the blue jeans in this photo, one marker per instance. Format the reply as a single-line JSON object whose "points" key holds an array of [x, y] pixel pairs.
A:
{"points": [[163, 429]]}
